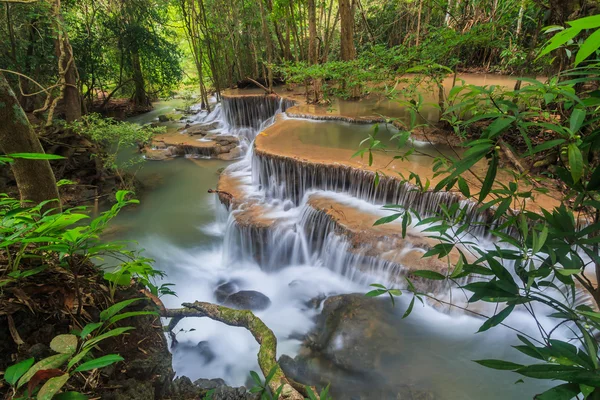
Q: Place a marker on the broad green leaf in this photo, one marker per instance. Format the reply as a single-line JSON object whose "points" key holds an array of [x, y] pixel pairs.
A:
{"points": [[576, 120], [376, 292], [116, 308], [66, 344], [129, 315], [388, 219], [112, 333], [575, 162], [99, 362], [89, 328], [496, 319], [36, 156], [14, 372], [409, 309], [560, 372], [499, 364], [559, 39], [47, 363], [565, 391], [52, 386]]}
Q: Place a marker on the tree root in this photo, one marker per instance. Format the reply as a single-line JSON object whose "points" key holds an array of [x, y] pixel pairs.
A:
{"points": [[515, 161], [264, 336]]}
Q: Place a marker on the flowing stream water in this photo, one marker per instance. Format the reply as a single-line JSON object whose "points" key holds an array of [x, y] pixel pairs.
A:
{"points": [[196, 241]]}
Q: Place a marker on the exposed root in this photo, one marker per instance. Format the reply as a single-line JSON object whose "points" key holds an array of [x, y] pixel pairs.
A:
{"points": [[264, 336]]}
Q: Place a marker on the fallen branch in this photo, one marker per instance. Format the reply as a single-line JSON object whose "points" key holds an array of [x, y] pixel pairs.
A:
{"points": [[514, 160], [246, 319], [269, 91]]}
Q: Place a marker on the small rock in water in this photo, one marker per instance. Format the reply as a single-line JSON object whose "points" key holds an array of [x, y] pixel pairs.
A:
{"points": [[225, 290], [248, 300], [163, 118], [204, 350]]}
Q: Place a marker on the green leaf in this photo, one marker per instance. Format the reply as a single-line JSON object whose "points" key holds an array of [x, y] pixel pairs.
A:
{"points": [[89, 328], [129, 315], [116, 308], [52, 386], [409, 309], [464, 187], [588, 47], [496, 319], [14, 372], [388, 219], [36, 156], [429, 275], [47, 363], [547, 145], [499, 125], [256, 378], [575, 162], [560, 372], [111, 333], [499, 364], [576, 120], [99, 362], [565, 391], [376, 292], [66, 344]]}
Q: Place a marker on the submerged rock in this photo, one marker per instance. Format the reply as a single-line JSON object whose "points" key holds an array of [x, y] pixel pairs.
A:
{"points": [[163, 118], [225, 290], [204, 350], [351, 347], [356, 332], [248, 300]]}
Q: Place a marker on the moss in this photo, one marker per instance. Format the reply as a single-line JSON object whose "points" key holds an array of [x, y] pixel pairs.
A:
{"points": [[2, 104]]}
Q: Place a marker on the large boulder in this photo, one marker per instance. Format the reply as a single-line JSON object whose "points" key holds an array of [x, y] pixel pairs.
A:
{"points": [[356, 332], [248, 300], [352, 347]]}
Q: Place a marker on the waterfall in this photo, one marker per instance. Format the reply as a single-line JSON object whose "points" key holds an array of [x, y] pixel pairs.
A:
{"points": [[252, 111], [287, 178]]}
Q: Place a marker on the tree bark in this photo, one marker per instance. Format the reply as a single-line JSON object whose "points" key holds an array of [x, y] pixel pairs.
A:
{"points": [[312, 32], [419, 22], [67, 69], [35, 179], [348, 51], [269, 43], [139, 98]]}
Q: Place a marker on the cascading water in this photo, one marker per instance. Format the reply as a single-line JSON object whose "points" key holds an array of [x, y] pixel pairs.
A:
{"points": [[243, 116], [297, 254]]}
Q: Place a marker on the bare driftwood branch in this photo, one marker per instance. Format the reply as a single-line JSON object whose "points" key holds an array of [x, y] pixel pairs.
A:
{"points": [[267, 352], [269, 91]]}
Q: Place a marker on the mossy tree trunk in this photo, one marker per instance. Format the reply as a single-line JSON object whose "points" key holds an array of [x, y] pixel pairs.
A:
{"points": [[35, 179]]}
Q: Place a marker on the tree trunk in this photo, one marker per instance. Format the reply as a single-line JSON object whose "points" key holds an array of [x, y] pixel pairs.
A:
{"points": [[348, 52], [419, 22], [71, 99], [140, 98], [520, 19], [269, 43], [448, 14], [35, 179], [312, 32]]}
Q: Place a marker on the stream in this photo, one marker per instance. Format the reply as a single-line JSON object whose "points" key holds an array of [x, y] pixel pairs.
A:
{"points": [[193, 238]]}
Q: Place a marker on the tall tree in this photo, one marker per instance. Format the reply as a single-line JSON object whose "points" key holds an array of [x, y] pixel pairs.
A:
{"points": [[348, 51], [35, 179]]}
